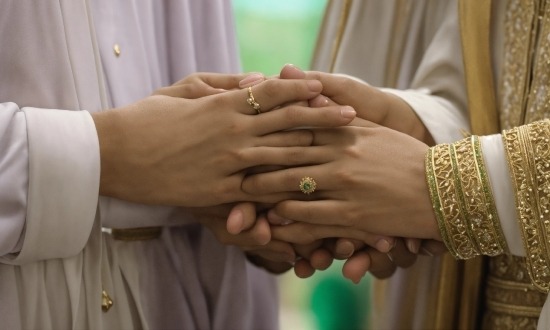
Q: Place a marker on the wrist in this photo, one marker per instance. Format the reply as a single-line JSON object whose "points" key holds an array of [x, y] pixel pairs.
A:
{"points": [[402, 117], [106, 124]]}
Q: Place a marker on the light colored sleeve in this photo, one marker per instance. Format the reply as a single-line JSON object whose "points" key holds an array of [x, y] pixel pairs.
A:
{"points": [[437, 93], [49, 165], [503, 191]]}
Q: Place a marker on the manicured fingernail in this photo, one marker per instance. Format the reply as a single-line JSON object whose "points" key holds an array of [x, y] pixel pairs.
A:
{"points": [[348, 112], [294, 67], [383, 245], [314, 85], [426, 252], [251, 80], [412, 246]]}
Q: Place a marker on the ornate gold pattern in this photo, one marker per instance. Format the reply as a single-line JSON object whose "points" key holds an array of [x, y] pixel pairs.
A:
{"points": [[529, 161], [436, 201], [448, 201], [538, 100], [463, 201], [525, 98], [511, 299], [252, 101], [518, 26], [307, 185]]}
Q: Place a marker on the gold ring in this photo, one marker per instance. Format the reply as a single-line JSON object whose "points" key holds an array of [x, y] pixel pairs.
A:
{"points": [[250, 100], [307, 185]]}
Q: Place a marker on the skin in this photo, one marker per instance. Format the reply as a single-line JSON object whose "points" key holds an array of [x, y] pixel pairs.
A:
{"points": [[317, 255], [249, 231], [149, 148], [384, 109]]}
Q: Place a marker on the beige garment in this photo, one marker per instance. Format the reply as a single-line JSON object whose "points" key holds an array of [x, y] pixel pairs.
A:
{"points": [[386, 54], [409, 298], [54, 71]]}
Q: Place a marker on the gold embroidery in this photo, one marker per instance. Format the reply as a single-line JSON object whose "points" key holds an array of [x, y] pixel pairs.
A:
{"points": [[518, 26], [480, 210], [436, 201], [511, 299], [463, 201], [538, 100], [528, 159], [447, 193]]}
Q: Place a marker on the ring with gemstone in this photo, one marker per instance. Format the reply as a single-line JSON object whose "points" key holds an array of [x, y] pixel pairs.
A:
{"points": [[252, 102], [307, 185]]}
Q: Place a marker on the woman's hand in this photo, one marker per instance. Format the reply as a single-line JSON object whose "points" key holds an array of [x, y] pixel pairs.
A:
{"points": [[370, 180], [194, 152], [202, 84], [371, 103]]}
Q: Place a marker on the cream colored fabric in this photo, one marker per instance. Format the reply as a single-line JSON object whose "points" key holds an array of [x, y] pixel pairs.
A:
{"points": [[430, 79], [56, 66]]}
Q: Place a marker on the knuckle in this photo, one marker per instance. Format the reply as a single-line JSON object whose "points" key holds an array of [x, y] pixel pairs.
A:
{"points": [[290, 180], [293, 115], [253, 185], [236, 128], [218, 103], [294, 156], [353, 151], [236, 156], [344, 176], [351, 215], [270, 89]]}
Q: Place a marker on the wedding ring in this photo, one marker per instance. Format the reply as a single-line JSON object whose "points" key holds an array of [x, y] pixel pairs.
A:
{"points": [[252, 102], [307, 185]]}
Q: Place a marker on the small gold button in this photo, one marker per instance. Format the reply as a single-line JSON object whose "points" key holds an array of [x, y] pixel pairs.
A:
{"points": [[106, 301], [116, 49]]}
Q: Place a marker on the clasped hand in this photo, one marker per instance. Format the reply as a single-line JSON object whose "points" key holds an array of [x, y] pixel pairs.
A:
{"points": [[367, 175]]}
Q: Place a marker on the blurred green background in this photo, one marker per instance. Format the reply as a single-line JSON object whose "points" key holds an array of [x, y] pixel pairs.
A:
{"points": [[273, 33]]}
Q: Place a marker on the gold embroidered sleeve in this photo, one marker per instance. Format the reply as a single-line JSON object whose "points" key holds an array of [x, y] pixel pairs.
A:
{"points": [[527, 150], [463, 201]]}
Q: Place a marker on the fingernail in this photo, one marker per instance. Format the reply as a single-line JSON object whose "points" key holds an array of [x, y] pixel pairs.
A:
{"points": [[318, 101], [285, 222], [314, 85], [275, 219], [344, 250], [235, 222], [290, 65], [251, 80], [383, 245], [426, 252], [348, 112], [413, 248]]}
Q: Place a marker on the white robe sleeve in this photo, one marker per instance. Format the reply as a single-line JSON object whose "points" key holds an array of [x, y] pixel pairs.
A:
{"points": [[49, 164]]}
